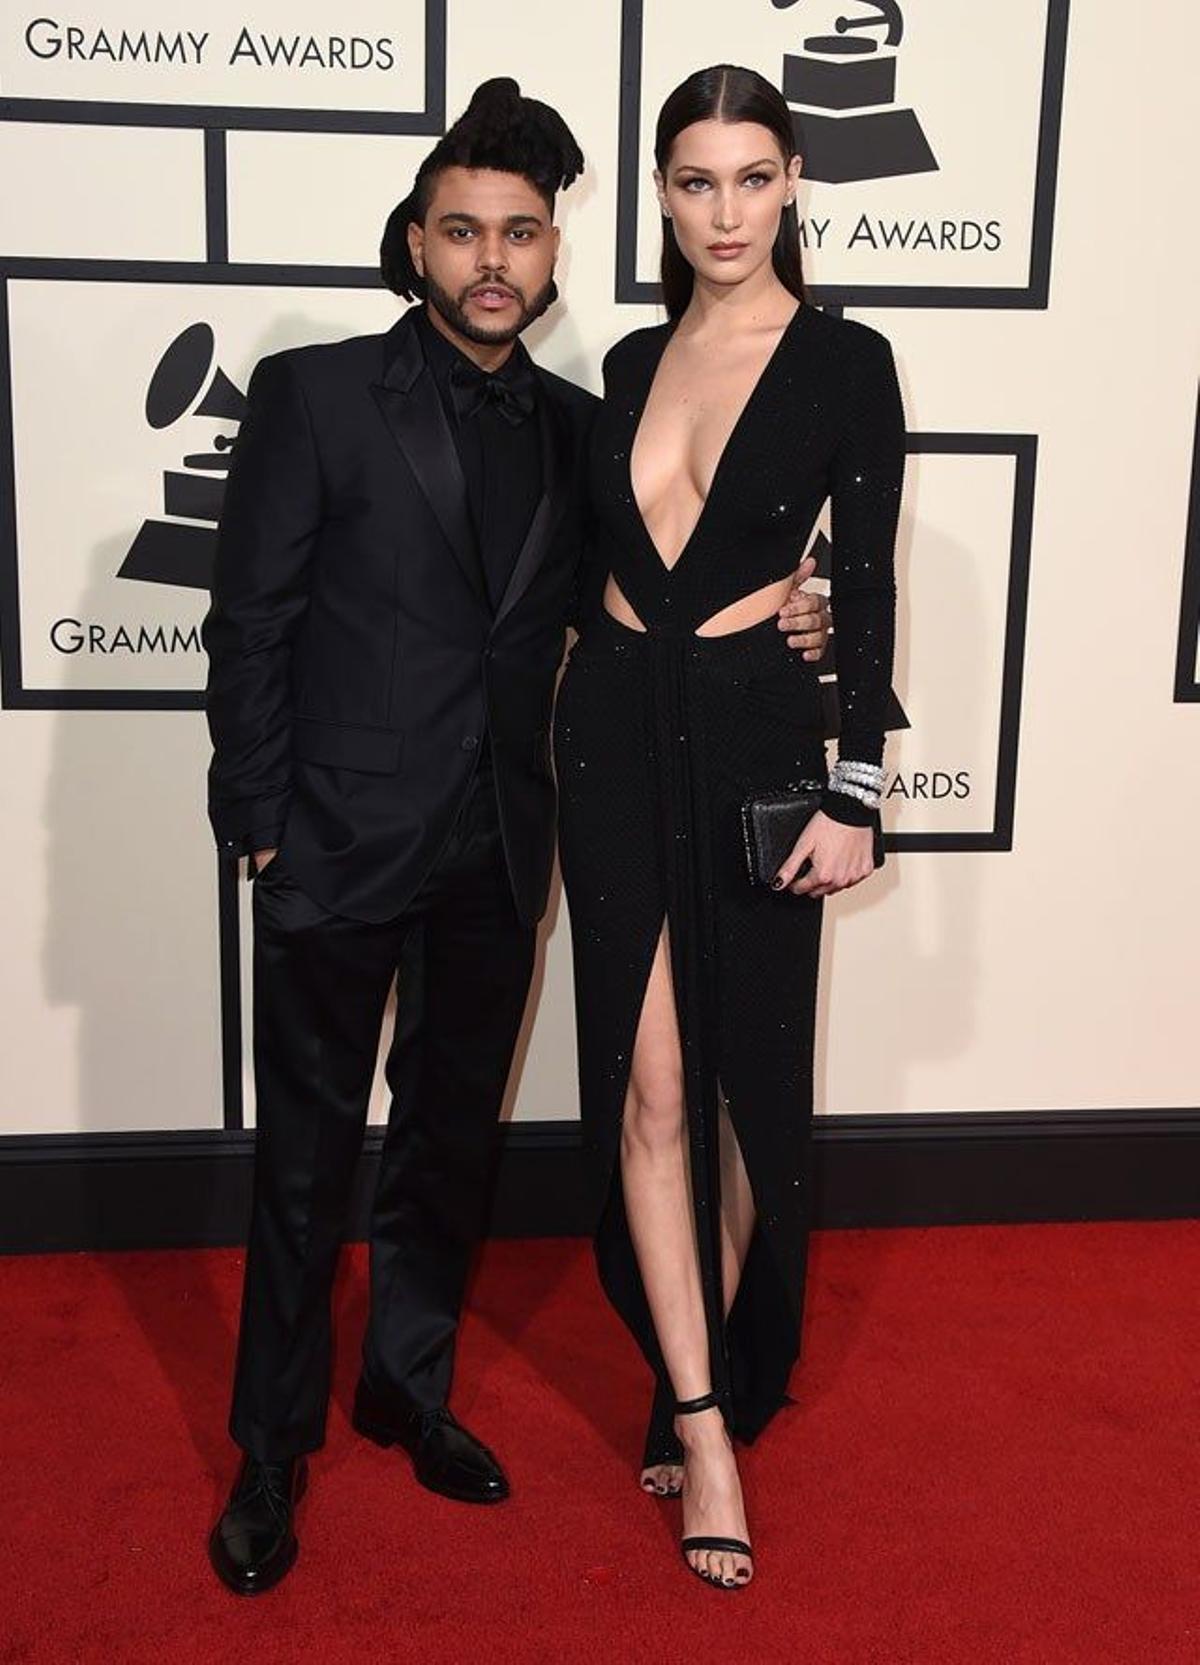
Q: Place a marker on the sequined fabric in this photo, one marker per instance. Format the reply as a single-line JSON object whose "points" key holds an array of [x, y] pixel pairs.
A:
{"points": [[660, 737]]}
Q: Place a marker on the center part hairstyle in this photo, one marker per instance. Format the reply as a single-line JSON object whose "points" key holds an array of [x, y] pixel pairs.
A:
{"points": [[500, 130], [726, 92]]}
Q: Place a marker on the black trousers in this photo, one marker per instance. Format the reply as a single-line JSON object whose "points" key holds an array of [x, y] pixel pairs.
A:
{"points": [[320, 987]]}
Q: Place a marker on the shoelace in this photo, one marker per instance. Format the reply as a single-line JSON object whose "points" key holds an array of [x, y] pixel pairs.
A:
{"points": [[268, 1481], [438, 1418]]}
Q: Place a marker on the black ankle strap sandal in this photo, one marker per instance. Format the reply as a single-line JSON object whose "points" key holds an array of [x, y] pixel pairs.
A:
{"points": [[728, 1546], [689, 1407]]}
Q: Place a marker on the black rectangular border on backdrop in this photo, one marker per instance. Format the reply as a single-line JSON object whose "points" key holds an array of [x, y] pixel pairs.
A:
{"points": [[630, 289], [254, 118], [1022, 448], [1187, 688]]}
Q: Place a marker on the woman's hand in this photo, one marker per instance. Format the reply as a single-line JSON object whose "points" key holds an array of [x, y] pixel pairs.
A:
{"points": [[841, 856]]}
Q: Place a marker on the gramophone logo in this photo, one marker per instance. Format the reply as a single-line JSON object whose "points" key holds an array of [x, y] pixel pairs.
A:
{"points": [[178, 548], [850, 126]]}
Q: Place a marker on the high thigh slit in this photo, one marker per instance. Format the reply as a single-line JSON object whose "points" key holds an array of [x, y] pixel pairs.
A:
{"points": [[661, 735]]}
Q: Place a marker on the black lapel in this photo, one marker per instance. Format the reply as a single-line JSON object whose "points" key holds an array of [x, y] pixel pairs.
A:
{"points": [[408, 400], [556, 480]]}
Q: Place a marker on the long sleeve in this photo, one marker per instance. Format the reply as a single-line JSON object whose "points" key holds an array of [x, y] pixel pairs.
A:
{"points": [[866, 477], [260, 591]]}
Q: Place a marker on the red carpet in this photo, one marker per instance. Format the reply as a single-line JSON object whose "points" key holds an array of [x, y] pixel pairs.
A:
{"points": [[994, 1459]]}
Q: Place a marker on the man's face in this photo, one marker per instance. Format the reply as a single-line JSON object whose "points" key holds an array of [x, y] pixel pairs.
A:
{"points": [[487, 252]]}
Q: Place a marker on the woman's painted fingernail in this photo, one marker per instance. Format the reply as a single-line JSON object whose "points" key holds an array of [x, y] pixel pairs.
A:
{"points": [[777, 882]]}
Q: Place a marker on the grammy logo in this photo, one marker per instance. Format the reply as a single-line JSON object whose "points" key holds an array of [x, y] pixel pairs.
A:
{"points": [[180, 548], [850, 128]]}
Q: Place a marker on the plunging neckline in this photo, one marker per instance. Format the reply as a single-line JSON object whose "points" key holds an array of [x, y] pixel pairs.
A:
{"points": [[752, 395]]}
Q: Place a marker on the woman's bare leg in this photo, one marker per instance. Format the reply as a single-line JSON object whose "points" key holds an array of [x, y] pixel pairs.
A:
{"points": [[658, 1206], [737, 1227]]}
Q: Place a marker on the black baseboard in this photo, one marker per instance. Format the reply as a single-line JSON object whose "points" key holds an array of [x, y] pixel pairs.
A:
{"points": [[188, 1190]]}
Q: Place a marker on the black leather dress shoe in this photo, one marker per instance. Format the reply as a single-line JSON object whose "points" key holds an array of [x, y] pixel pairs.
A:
{"points": [[446, 1458], [253, 1545]]}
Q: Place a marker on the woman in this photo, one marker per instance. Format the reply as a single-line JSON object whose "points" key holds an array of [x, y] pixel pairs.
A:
{"points": [[721, 435]]}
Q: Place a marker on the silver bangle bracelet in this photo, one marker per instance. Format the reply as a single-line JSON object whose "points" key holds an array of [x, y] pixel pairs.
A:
{"points": [[864, 781], [874, 772], [847, 789]]}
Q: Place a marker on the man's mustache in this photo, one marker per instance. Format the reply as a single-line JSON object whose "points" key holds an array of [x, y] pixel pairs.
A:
{"points": [[493, 283]]}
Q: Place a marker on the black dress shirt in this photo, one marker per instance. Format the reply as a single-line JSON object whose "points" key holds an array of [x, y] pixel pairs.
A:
{"points": [[500, 450]]}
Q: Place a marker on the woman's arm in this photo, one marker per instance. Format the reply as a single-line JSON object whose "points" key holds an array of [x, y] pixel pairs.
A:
{"points": [[866, 476]]}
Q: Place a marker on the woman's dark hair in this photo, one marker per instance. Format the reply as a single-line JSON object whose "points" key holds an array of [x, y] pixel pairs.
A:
{"points": [[499, 129], [726, 93]]}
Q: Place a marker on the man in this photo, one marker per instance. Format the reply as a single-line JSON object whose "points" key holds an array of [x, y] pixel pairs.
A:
{"points": [[398, 558]]}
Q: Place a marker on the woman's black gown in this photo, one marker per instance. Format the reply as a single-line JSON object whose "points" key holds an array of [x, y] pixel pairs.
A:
{"points": [[660, 737]]}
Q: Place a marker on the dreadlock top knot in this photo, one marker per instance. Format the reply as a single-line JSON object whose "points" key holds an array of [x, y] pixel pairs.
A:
{"points": [[500, 129], [501, 89]]}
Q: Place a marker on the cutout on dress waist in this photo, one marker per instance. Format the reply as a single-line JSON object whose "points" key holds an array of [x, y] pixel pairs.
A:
{"points": [[728, 621], [622, 609]]}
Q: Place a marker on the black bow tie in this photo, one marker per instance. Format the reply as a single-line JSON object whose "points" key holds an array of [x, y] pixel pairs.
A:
{"points": [[510, 391]]}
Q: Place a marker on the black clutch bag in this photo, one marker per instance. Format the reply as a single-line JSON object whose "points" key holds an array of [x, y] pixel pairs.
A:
{"points": [[772, 822]]}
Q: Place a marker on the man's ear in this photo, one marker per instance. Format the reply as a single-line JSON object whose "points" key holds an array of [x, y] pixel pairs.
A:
{"points": [[416, 246]]}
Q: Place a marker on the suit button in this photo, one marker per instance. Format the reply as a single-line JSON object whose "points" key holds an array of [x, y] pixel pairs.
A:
{"points": [[469, 743]]}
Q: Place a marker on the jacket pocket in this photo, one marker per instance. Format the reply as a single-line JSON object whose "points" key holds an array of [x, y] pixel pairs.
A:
{"points": [[374, 751]]}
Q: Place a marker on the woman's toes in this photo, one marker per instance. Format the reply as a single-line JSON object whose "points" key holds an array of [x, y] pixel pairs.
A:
{"points": [[743, 1572]]}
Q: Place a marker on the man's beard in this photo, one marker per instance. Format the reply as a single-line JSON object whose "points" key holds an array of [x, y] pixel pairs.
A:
{"points": [[452, 310]]}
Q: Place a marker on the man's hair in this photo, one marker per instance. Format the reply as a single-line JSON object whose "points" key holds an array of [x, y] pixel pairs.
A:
{"points": [[500, 130]]}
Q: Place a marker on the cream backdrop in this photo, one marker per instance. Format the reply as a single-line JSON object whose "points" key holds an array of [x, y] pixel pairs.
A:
{"points": [[1052, 444]]}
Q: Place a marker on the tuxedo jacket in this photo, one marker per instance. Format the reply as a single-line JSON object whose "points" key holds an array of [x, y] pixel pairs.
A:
{"points": [[355, 661]]}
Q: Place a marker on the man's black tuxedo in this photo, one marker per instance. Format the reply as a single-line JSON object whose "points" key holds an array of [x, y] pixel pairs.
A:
{"points": [[356, 663], [380, 720]]}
